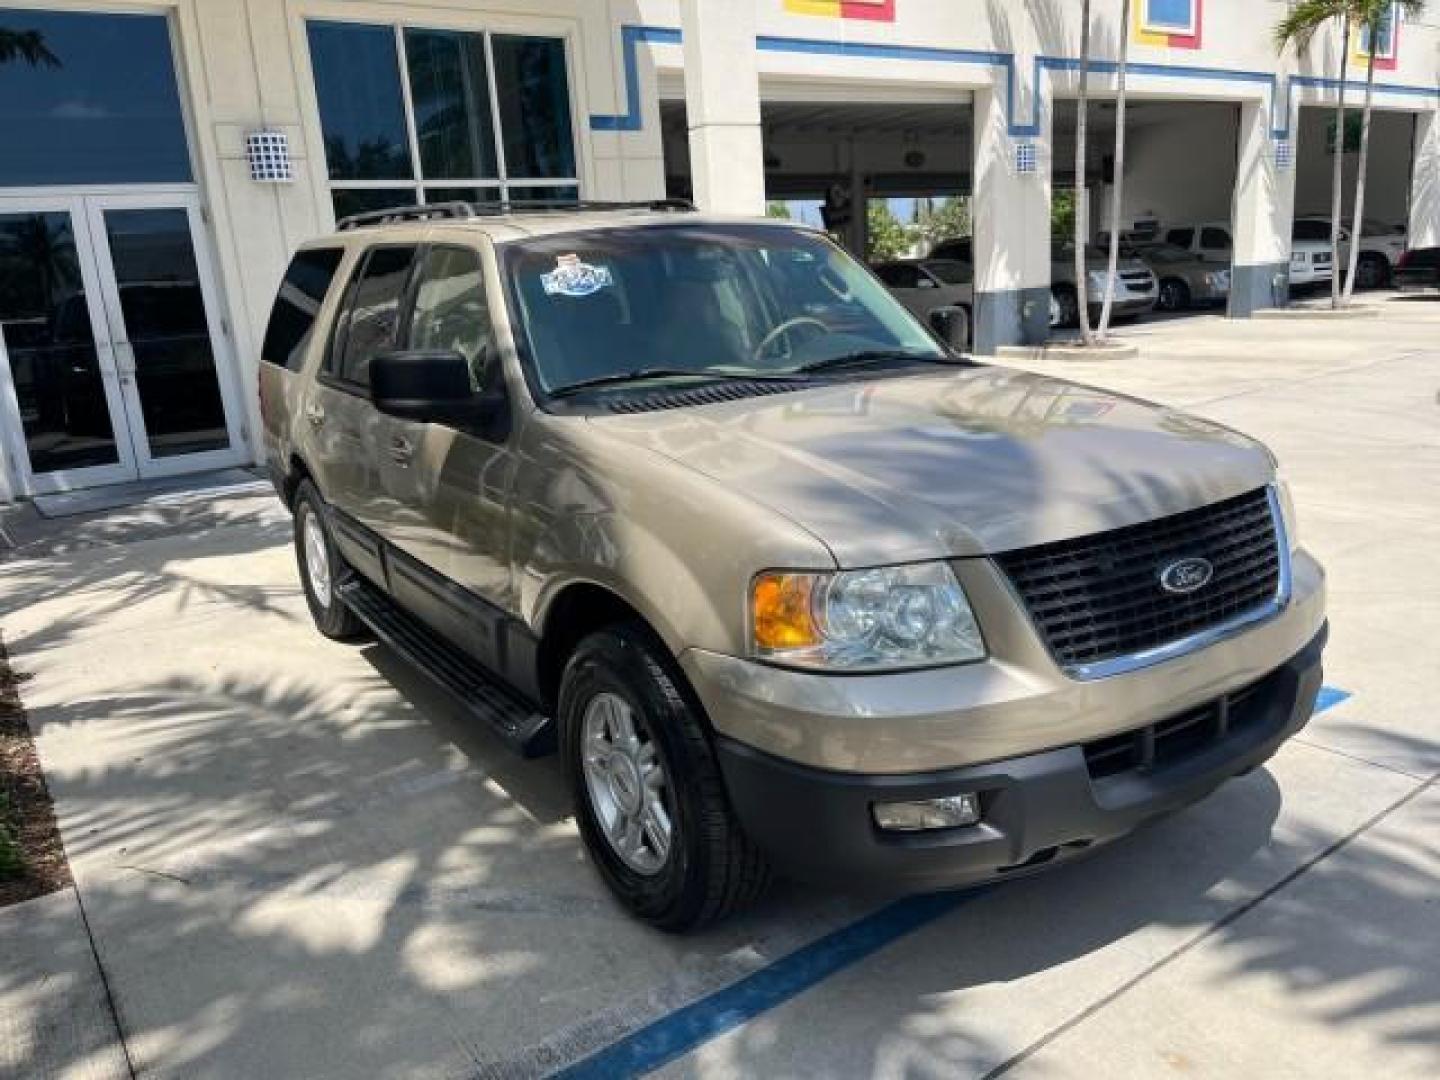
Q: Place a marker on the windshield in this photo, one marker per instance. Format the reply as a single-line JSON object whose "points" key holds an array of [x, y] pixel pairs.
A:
{"points": [[729, 300], [951, 271]]}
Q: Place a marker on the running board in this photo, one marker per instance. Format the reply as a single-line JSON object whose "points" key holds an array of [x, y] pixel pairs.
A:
{"points": [[479, 693]]}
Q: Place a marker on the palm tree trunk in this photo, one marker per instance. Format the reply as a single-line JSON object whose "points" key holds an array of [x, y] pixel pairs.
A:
{"points": [[1117, 187], [1082, 193], [1358, 229], [1337, 182]]}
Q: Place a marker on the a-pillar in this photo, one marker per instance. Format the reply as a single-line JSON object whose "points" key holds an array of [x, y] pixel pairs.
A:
{"points": [[1012, 228], [1264, 212], [1425, 184], [722, 102]]}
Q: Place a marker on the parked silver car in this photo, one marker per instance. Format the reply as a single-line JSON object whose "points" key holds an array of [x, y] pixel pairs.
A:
{"points": [[941, 292], [1186, 279], [1136, 289]]}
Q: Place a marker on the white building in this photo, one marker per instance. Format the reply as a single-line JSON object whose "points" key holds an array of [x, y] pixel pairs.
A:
{"points": [[140, 244]]}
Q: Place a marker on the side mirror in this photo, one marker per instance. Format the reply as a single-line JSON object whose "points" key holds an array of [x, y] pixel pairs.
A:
{"points": [[427, 386]]}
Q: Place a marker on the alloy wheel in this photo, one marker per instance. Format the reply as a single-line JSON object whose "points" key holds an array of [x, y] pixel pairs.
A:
{"points": [[626, 782]]}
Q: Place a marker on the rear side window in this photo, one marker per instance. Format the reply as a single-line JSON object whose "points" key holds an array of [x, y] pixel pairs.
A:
{"points": [[302, 292], [1184, 238], [900, 276], [372, 323], [1215, 240], [1312, 230]]}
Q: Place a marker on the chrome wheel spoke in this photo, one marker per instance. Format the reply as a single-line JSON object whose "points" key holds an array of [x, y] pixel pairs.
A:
{"points": [[625, 780]]}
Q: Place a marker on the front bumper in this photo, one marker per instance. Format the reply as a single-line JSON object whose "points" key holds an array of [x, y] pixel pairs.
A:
{"points": [[1037, 809]]}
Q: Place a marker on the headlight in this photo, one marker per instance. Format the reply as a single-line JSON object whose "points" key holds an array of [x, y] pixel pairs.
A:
{"points": [[865, 620], [1219, 280], [1098, 280]]}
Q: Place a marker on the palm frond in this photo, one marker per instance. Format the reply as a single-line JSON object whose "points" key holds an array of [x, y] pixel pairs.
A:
{"points": [[1303, 20]]}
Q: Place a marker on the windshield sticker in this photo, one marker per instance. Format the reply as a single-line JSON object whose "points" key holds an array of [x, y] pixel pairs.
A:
{"points": [[571, 277]]}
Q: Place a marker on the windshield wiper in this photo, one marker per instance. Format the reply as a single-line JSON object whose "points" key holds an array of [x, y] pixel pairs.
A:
{"points": [[619, 378], [867, 357]]}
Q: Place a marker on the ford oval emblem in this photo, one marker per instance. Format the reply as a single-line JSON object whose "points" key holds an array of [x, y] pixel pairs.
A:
{"points": [[1186, 576]]}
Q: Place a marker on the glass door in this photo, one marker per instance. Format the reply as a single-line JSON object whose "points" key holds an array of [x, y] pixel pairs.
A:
{"points": [[163, 318], [59, 382]]}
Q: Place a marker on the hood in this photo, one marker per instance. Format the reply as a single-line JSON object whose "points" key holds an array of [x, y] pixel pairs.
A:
{"points": [[971, 462]]}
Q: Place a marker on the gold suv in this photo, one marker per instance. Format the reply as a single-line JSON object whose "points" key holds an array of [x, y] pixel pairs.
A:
{"points": [[787, 583]]}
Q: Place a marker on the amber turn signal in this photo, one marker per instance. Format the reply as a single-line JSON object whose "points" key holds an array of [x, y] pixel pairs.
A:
{"points": [[782, 614]]}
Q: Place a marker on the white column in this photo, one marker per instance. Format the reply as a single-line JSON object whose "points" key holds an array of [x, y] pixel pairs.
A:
{"points": [[1263, 216], [1425, 183], [1012, 229], [722, 100]]}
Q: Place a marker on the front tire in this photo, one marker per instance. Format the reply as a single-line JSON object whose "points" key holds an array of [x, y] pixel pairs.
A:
{"points": [[1372, 272], [321, 568], [1174, 295], [648, 794], [1066, 309]]}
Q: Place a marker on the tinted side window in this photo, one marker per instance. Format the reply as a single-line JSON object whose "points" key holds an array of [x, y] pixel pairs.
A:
{"points": [[1311, 230], [1184, 238], [374, 318], [450, 310], [1215, 240], [899, 276], [292, 320]]}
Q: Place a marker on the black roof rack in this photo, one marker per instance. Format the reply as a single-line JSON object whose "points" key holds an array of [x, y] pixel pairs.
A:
{"points": [[464, 210]]}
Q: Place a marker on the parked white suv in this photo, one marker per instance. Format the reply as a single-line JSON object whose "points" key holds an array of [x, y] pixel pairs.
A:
{"points": [[1380, 247], [1310, 261]]}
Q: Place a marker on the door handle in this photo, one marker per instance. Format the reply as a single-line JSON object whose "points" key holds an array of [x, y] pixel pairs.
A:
{"points": [[401, 451], [315, 415]]}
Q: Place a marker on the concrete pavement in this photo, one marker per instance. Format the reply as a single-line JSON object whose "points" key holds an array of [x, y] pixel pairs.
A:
{"points": [[297, 860]]}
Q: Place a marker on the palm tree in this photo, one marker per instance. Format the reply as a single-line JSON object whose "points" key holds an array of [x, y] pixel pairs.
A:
{"points": [[1117, 187], [1374, 18], [26, 45], [1082, 199], [1297, 28]]}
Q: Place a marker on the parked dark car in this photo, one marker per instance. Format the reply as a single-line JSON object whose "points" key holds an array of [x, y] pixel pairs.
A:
{"points": [[1418, 269]]}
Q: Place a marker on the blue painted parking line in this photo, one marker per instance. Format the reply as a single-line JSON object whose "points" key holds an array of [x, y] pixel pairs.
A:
{"points": [[677, 1033]]}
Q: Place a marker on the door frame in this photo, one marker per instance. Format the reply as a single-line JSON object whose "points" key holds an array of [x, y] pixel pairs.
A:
{"points": [[126, 467], [222, 355], [86, 206]]}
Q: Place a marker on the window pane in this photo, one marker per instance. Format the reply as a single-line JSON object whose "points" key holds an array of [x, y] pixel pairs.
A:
{"points": [[163, 308], [534, 106], [450, 311], [362, 109], [374, 316], [45, 326], [364, 200], [451, 94], [1181, 237], [1169, 14], [1215, 239], [544, 194], [462, 194], [88, 99], [297, 305]]}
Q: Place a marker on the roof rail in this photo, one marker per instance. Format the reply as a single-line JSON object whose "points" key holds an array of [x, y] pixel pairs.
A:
{"points": [[463, 210]]}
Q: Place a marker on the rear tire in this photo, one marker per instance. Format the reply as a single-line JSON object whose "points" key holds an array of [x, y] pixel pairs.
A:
{"points": [[321, 568], [708, 868], [1372, 272]]}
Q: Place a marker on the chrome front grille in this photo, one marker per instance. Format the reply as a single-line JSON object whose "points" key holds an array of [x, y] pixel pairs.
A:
{"points": [[1099, 599]]}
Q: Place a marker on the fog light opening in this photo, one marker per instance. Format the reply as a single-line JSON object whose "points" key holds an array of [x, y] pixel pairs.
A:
{"points": [[924, 815]]}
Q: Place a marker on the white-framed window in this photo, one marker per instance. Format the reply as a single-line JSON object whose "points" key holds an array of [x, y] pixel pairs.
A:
{"points": [[412, 114], [1387, 27], [1177, 17]]}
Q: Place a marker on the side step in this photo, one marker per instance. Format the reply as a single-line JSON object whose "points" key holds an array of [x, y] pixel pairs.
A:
{"points": [[481, 694]]}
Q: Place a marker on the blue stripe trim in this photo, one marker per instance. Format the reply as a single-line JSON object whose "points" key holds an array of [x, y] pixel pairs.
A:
{"points": [[677, 1033], [1330, 696], [1281, 105]]}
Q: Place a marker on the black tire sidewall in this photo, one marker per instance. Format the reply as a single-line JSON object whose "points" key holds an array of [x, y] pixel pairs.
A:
{"points": [[623, 662], [1069, 301], [1179, 294]]}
